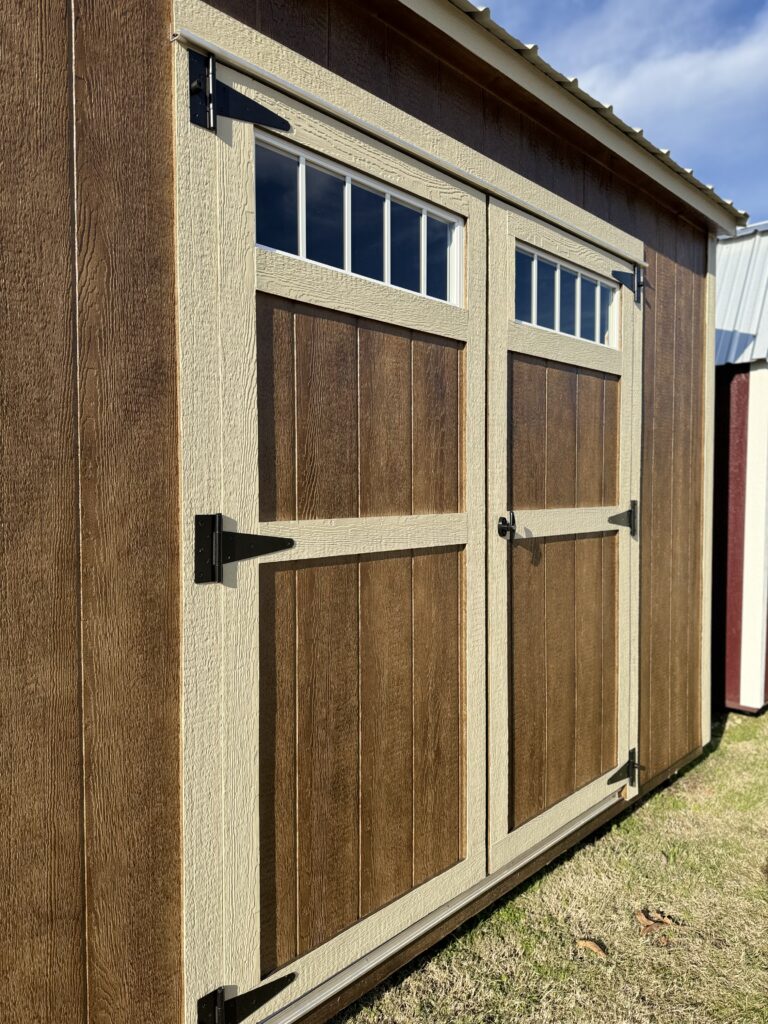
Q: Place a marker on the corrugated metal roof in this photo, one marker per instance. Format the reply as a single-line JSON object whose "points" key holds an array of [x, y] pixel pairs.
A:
{"points": [[482, 16], [741, 316]]}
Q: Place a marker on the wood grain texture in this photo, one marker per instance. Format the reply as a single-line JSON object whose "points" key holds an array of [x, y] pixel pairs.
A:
{"points": [[41, 864], [362, 727], [325, 377], [129, 510], [277, 764], [590, 681], [326, 417], [559, 633], [437, 715], [327, 751], [563, 435], [386, 731]]}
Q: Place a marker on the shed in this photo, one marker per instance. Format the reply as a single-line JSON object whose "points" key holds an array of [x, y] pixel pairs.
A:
{"points": [[357, 475], [740, 623]]}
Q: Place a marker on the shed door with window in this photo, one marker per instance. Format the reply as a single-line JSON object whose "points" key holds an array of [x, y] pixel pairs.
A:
{"points": [[332, 298], [563, 460]]}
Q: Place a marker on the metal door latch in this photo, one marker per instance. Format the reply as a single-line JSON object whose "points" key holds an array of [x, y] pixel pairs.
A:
{"points": [[216, 547], [216, 1008], [507, 527]]}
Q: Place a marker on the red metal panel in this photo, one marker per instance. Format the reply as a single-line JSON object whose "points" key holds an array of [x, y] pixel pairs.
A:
{"points": [[737, 484]]}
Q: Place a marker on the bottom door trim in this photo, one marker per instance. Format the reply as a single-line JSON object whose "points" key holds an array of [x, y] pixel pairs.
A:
{"points": [[365, 965]]}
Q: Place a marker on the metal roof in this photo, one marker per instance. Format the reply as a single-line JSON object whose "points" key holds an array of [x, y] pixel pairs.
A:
{"points": [[482, 16], [741, 316]]}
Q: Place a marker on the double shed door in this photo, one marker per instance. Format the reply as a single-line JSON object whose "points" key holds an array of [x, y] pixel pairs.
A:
{"points": [[334, 691], [563, 472]]}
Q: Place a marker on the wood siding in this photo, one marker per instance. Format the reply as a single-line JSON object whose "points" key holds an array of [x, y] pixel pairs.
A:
{"points": [[563, 678], [361, 727], [563, 435], [355, 419], [395, 55], [41, 864]]}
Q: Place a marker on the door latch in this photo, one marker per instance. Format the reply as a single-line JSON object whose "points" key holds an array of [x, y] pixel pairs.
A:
{"points": [[507, 527], [216, 547]]}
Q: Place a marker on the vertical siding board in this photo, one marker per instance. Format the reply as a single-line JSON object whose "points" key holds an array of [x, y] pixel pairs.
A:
{"points": [[124, 173], [735, 568], [682, 615], [327, 750], [589, 659], [438, 839], [560, 640], [662, 511], [385, 423], [610, 681], [527, 682], [326, 416], [276, 408], [561, 443], [611, 420], [436, 426], [386, 712], [41, 863], [527, 432], [277, 765], [590, 427]]}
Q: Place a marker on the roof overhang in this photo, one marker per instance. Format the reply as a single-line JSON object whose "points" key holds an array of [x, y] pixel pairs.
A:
{"points": [[473, 28]]}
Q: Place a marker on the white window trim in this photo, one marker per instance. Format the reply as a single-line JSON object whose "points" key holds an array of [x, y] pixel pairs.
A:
{"points": [[352, 177], [590, 275]]}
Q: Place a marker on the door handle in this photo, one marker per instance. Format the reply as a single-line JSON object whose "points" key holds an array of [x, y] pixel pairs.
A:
{"points": [[507, 527], [216, 547]]}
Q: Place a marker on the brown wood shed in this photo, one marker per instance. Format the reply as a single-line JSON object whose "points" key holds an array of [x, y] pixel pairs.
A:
{"points": [[471, 409]]}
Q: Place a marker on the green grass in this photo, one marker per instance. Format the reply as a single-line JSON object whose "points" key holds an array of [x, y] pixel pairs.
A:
{"points": [[697, 850]]}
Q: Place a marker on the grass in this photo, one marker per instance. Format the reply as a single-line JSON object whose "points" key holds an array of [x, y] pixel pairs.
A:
{"points": [[696, 850]]}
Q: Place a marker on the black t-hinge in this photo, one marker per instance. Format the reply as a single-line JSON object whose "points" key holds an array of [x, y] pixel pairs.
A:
{"points": [[216, 1008], [209, 99]]}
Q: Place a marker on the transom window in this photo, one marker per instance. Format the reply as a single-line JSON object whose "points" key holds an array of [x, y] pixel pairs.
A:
{"points": [[319, 211], [559, 297]]}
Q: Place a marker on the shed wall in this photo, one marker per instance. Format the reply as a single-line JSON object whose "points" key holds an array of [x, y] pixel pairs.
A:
{"points": [[93, 708]]}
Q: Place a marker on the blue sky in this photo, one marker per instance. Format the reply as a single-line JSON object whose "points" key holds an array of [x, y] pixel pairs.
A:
{"points": [[693, 74]]}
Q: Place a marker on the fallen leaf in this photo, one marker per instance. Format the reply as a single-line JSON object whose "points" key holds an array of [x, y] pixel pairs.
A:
{"points": [[663, 940], [660, 918], [646, 924], [592, 947]]}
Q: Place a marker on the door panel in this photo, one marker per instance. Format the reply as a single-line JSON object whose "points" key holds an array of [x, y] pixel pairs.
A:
{"points": [[562, 595], [334, 692]]}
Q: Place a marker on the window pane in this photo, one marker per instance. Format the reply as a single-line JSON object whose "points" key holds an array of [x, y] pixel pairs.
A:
{"points": [[367, 233], [325, 217], [405, 235], [277, 221], [588, 296], [568, 301], [545, 294], [606, 295], [438, 240], [523, 286]]}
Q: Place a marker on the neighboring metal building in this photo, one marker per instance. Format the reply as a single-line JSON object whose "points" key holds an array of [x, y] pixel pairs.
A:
{"points": [[740, 630]]}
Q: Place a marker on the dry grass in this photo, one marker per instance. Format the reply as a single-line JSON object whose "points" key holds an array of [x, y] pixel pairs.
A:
{"points": [[697, 851]]}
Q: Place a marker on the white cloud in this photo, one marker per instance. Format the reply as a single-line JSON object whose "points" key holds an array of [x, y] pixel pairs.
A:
{"points": [[693, 74]]}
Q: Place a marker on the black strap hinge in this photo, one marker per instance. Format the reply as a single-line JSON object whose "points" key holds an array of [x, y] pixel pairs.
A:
{"points": [[216, 547], [209, 99], [216, 1008], [629, 771], [629, 518], [639, 283]]}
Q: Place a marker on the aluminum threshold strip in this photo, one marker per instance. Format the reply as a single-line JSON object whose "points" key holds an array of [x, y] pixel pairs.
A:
{"points": [[187, 38], [328, 989]]}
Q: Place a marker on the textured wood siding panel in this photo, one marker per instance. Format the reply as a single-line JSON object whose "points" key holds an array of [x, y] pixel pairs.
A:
{"points": [[371, 425], [363, 722], [41, 864], [563, 437], [129, 488], [563, 679]]}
